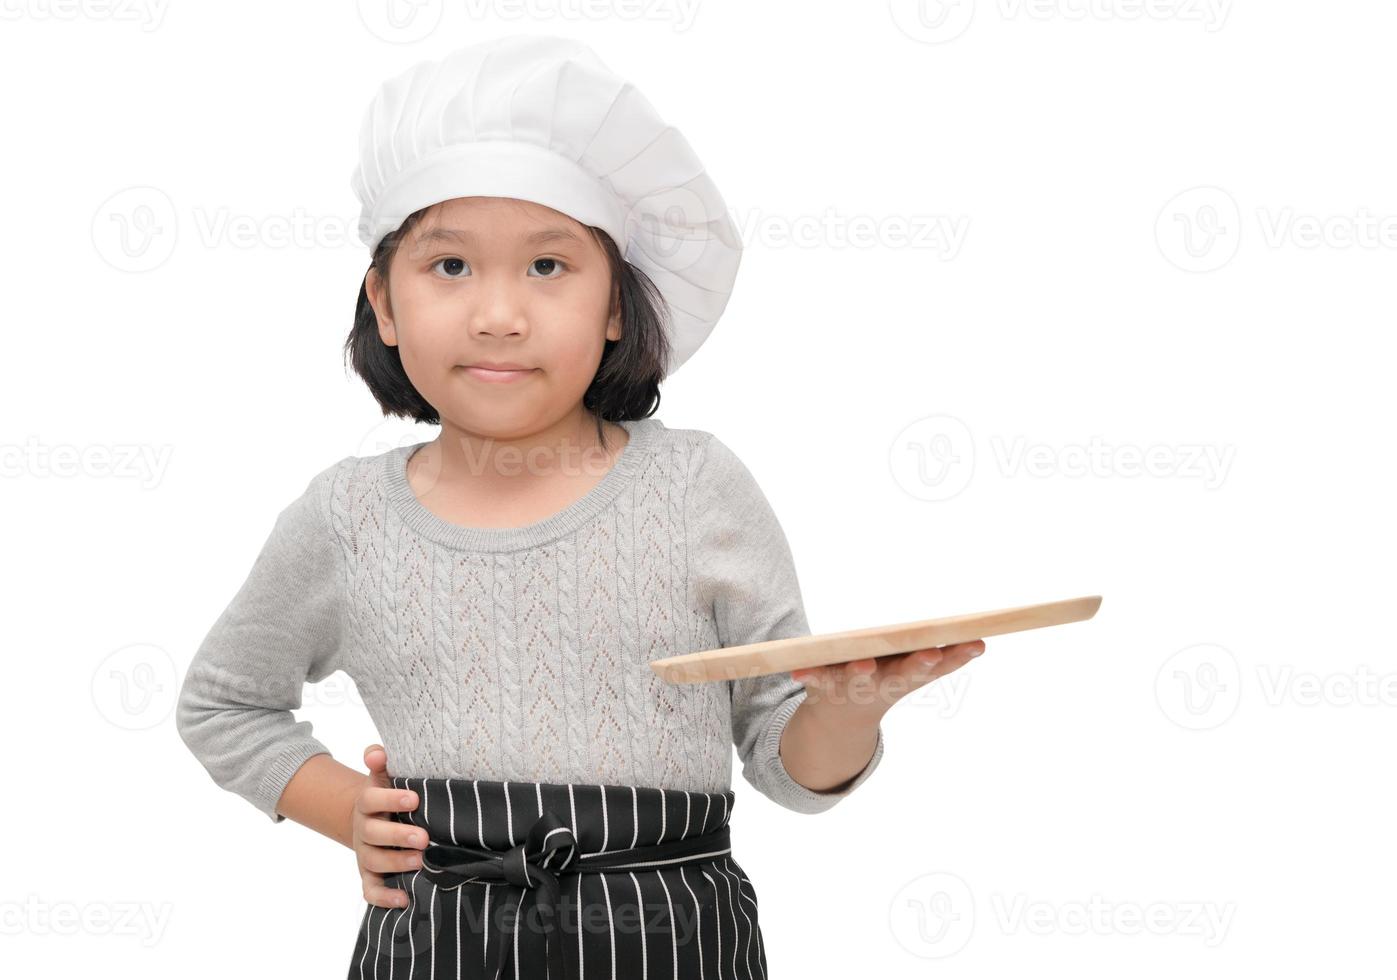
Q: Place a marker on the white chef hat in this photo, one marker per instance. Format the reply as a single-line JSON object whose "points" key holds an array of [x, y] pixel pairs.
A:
{"points": [[542, 119]]}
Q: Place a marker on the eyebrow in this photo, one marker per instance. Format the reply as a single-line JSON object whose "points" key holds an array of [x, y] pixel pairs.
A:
{"points": [[466, 237]]}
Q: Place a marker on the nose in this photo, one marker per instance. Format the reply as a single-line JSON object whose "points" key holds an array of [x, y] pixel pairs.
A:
{"points": [[499, 310]]}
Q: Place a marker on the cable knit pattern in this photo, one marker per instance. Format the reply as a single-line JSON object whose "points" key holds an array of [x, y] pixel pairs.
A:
{"points": [[514, 653]]}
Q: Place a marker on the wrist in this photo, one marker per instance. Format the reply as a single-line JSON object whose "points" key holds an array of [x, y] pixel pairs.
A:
{"points": [[845, 717]]}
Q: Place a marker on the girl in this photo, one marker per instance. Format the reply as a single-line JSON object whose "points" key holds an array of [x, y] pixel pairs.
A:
{"points": [[545, 251]]}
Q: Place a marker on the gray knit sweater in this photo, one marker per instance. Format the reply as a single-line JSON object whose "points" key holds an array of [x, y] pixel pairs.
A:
{"points": [[514, 653]]}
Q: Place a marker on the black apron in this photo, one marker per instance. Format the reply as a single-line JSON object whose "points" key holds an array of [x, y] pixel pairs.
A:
{"points": [[566, 881]]}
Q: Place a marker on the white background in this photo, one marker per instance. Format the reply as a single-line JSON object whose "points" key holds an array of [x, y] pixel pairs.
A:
{"points": [[1195, 781]]}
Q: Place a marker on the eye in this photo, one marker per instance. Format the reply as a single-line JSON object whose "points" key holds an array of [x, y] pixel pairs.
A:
{"points": [[454, 264], [549, 268]]}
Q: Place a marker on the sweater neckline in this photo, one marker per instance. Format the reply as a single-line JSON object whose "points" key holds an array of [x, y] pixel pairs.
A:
{"points": [[416, 515]]}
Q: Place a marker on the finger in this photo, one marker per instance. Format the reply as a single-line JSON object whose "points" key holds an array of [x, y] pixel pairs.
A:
{"points": [[376, 758], [381, 832], [955, 658], [386, 860], [379, 894], [919, 664], [860, 668], [385, 799]]}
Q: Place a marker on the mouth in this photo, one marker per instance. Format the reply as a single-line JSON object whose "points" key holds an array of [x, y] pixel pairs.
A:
{"points": [[498, 374]]}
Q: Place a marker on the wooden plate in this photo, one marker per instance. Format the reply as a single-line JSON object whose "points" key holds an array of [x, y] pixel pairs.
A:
{"points": [[799, 652]]}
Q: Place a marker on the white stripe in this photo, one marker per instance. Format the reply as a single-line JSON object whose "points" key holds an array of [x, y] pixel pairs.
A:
{"points": [[610, 924], [673, 936], [664, 813], [411, 907], [368, 919], [508, 815], [479, 818], [451, 810], [747, 956], [688, 805], [717, 920], [432, 924], [640, 905], [378, 943], [635, 834], [572, 803], [581, 963], [662, 863], [485, 950], [458, 934], [753, 900], [605, 828], [728, 887], [698, 918]]}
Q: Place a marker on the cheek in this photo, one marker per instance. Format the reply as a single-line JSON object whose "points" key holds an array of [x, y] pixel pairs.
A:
{"points": [[427, 326]]}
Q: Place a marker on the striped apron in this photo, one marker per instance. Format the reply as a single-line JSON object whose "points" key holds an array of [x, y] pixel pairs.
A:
{"points": [[566, 881]]}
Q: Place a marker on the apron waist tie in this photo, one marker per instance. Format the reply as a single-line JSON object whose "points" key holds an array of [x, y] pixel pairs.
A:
{"points": [[549, 850]]}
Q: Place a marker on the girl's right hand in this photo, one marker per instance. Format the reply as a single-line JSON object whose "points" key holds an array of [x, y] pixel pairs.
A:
{"points": [[378, 838]]}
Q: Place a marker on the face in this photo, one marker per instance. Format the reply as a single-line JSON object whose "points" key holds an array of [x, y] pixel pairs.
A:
{"points": [[489, 280]]}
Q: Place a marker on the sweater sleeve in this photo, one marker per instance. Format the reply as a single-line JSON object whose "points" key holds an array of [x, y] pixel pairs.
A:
{"points": [[284, 627], [746, 575]]}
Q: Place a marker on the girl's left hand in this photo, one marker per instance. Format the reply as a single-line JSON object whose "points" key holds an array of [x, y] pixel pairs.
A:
{"points": [[875, 684]]}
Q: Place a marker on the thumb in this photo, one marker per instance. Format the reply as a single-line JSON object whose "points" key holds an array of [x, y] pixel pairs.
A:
{"points": [[376, 758]]}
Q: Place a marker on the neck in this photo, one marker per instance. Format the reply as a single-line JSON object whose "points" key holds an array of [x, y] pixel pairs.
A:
{"points": [[514, 460]]}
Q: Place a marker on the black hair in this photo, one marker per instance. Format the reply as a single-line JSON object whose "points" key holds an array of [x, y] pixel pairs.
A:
{"points": [[626, 386]]}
